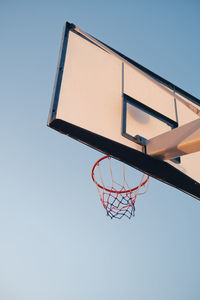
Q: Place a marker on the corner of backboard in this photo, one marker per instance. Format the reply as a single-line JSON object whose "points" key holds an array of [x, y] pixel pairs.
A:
{"points": [[70, 25]]}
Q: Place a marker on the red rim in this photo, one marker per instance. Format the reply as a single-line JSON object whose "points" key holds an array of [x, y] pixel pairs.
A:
{"points": [[110, 190]]}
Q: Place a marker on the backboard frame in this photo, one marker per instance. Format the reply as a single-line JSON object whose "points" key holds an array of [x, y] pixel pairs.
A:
{"points": [[156, 168]]}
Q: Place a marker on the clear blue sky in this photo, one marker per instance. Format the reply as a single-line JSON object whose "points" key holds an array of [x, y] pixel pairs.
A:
{"points": [[55, 239]]}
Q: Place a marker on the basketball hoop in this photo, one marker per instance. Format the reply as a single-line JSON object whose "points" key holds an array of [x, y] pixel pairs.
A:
{"points": [[117, 199]]}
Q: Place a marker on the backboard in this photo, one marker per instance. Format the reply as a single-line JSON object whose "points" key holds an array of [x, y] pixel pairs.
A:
{"points": [[113, 104]]}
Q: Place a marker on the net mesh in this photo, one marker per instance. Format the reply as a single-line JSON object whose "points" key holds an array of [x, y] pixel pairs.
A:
{"points": [[117, 199]]}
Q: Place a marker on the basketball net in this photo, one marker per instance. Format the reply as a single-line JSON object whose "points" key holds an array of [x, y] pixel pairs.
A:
{"points": [[118, 199]]}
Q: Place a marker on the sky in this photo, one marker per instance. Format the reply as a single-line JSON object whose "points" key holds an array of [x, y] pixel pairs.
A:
{"points": [[56, 241]]}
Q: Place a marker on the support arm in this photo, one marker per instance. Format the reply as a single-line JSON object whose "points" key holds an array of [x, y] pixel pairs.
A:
{"points": [[177, 142]]}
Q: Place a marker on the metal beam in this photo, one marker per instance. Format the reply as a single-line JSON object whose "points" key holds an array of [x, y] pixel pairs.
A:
{"points": [[177, 142]]}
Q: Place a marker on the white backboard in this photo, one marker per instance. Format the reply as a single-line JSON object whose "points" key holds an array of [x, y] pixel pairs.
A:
{"points": [[109, 102]]}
